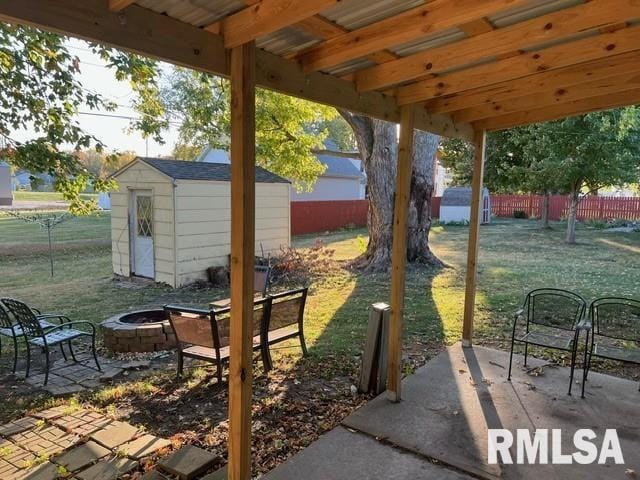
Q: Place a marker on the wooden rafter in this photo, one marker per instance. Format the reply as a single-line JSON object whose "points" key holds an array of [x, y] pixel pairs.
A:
{"points": [[148, 33], [530, 63], [413, 24], [541, 82], [117, 5], [520, 36], [559, 95], [268, 16], [548, 113]]}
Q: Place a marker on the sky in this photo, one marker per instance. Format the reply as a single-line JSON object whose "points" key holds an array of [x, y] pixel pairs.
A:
{"points": [[112, 131]]}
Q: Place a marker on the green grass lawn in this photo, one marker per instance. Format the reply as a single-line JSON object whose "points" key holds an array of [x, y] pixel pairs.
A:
{"points": [[514, 257]]}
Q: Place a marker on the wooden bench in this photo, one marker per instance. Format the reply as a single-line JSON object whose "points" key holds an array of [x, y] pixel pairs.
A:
{"points": [[204, 334]]}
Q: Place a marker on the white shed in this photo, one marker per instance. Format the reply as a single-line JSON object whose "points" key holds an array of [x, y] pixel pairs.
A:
{"points": [[455, 206], [6, 192], [171, 220]]}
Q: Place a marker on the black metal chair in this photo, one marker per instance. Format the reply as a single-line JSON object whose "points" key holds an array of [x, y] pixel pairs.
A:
{"points": [[10, 328], [554, 319], [615, 332], [35, 334]]}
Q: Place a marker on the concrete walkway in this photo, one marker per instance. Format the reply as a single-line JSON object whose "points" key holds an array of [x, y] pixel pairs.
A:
{"points": [[448, 406]]}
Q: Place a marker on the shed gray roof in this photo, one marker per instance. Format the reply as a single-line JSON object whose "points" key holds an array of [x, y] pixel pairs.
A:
{"points": [[184, 170], [459, 196]]}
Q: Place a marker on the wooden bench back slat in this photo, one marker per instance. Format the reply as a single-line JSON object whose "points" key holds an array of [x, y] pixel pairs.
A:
{"points": [[287, 308], [223, 320], [191, 327]]}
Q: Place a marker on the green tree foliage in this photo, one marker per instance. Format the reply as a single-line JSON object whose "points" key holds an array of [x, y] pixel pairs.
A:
{"points": [[574, 156], [288, 129], [41, 91]]}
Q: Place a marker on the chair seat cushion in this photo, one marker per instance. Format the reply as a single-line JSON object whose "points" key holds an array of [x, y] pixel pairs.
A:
{"points": [[563, 340], [617, 353], [17, 329], [58, 336]]}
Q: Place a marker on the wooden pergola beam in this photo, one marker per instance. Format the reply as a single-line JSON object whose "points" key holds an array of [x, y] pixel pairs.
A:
{"points": [[151, 34], [474, 239], [117, 5], [268, 16], [412, 24], [520, 36], [562, 94], [530, 63], [548, 113], [399, 250], [243, 203], [541, 82]]}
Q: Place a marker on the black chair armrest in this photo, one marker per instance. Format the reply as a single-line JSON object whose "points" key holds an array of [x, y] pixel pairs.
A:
{"points": [[73, 324], [518, 314], [45, 316], [584, 325], [36, 310]]}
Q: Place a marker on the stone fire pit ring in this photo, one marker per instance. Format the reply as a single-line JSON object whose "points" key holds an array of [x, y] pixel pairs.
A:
{"points": [[138, 331]]}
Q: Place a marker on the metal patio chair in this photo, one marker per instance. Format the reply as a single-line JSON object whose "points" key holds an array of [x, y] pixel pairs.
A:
{"points": [[553, 318], [615, 332], [35, 334], [12, 329]]}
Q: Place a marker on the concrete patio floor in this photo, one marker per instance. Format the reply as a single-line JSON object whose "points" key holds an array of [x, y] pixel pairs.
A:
{"points": [[439, 430]]}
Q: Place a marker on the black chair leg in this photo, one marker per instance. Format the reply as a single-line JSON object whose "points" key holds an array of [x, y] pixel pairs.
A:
{"points": [[510, 361], [73, 355], [181, 365], [526, 352], [28, 359], [219, 371], [303, 345], [64, 355], [266, 359], [574, 354], [15, 354], [93, 350], [586, 366], [46, 373]]}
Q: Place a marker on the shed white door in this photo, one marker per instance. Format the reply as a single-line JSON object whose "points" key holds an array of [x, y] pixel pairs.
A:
{"points": [[142, 233]]}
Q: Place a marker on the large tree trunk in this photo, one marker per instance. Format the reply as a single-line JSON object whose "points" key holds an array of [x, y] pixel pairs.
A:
{"points": [[544, 213], [377, 143], [574, 198]]}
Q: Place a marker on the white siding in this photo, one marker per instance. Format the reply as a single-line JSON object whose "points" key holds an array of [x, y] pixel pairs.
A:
{"points": [[331, 188], [140, 176], [454, 214], [203, 224]]}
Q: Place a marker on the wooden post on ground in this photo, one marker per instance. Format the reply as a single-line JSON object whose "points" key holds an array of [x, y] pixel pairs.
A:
{"points": [[242, 258], [399, 250], [474, 232]]}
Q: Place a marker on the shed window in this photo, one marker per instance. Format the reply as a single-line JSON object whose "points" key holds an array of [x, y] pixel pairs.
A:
{"points": [[144, 215]]}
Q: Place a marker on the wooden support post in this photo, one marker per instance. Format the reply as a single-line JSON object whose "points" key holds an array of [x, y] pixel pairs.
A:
{"points": [[242, 258], [399, 250], [474, 231]]}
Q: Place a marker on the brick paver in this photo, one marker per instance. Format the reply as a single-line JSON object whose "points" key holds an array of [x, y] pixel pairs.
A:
{"points": [[15, 455], [115, 434], [83, 422], [51, 413], [82, 456], [143, 446], [108, 470], [188, 462], [17, 426], [45, 441]]}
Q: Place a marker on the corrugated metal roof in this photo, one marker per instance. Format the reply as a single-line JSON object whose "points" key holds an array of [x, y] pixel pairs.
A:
{"points": [[354, 14]]}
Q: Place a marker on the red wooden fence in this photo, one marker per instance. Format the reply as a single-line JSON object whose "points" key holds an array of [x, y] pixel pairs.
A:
{"points": [[589, 208], [328, 215]]}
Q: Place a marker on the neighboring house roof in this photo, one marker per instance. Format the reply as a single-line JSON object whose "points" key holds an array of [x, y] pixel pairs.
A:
{"points": [[339, 167], [183, 170]]}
